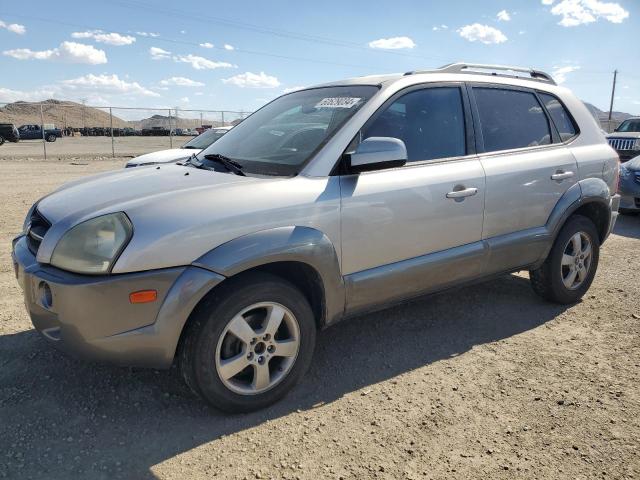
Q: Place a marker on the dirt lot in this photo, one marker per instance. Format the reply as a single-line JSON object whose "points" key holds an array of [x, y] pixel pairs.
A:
{"points": [[483, 382], [89, 147]]}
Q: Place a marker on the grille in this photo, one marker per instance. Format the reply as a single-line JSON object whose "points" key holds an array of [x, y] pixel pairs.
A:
{"points": [[38, 227], [622, 143], [636, 176]]}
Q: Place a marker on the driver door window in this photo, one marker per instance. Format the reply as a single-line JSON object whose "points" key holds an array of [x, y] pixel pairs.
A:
{"points": [[430, 122]]}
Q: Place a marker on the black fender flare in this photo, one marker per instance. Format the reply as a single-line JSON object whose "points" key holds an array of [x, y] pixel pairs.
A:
{"points": [[583, 192], [284, 244]]}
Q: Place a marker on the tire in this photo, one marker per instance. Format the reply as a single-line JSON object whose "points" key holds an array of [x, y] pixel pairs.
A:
{"points": [[548, 281], [50, 138], [208, 343], [1, 140]]}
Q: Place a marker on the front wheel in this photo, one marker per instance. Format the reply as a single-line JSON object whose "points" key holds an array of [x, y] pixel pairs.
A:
{"points": [[1, 140], [568, 271], [248, 343]]}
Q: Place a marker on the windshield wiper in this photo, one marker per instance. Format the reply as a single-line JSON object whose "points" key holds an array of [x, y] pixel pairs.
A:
{"points": [[190, 146], [227, 163]]}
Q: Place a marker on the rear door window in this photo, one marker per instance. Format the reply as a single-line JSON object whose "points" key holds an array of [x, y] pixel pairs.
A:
{"points": [[511, 119], [560, 116]]}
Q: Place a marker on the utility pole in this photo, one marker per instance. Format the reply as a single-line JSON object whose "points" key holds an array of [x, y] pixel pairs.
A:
{"points": [[84, 105], [613, 92]]}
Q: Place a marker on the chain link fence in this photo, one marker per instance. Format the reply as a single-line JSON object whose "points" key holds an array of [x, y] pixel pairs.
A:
{"points": [[60, 129]]}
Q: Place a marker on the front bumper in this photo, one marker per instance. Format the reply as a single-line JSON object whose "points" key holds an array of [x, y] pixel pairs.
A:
{"points": [[91, 316], [626, 155]]}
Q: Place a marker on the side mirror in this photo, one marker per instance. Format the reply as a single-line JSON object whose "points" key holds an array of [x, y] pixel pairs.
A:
{"points": [[378, 153]]}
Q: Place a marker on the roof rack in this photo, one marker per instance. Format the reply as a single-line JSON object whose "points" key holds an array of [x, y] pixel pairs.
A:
{"points": [[482, 69]]}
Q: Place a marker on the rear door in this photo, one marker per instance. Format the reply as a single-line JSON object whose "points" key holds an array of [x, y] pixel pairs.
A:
{"points": [[528, 168]]}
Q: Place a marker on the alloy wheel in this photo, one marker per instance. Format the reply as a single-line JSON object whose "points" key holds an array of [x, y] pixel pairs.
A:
{"points": [[576, 260], [257, 348]]}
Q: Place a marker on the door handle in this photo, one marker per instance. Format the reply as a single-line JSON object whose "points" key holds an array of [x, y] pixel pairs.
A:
{"points": [[561, 175], [466, 192]]}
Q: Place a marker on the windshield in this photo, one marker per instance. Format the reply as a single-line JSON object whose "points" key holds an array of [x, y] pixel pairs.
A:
{"points": [[629, 126], [279, 138], [205, 139]]}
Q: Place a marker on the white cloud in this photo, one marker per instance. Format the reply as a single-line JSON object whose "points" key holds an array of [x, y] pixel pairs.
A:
{"points": [[392, 43], [580, 12], [206, 45], [158, 53], [440, 27], [253, 80], [9, 95], [14, 27], [148, 34], [184, 100], [181, 82], [482, 33], [560, 73], [293, 89], [201, 63], [110, 84], [503, 16], [228, 47], [67, 52], [109, 38]]}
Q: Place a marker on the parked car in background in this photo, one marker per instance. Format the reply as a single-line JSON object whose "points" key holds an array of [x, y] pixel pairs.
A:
{"points": [[8, 133], [34, 132], [629, 186], [326, 203], [626, 139], [193, 146]]}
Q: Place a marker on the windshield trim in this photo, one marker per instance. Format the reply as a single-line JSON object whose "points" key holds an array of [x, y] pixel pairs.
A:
{"points": [[251, 167]]}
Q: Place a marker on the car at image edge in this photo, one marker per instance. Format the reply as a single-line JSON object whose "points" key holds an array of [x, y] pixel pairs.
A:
{"points": [[192, 147], [326, 203], [626, 139], [8, 133]]}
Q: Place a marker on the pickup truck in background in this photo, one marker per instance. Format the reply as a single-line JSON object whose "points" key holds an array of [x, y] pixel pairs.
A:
{"points": [[34, 132]]}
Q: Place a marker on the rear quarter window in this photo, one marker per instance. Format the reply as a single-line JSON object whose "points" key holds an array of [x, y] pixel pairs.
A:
{"points": [[561, 118]]}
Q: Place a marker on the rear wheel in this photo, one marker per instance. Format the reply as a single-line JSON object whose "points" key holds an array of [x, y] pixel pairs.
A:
{"points": [[50, 138], [1, 140], [568, 271], [249, 343]]}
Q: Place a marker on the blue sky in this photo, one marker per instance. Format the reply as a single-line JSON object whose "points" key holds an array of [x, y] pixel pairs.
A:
{"points": [[238, 55]]}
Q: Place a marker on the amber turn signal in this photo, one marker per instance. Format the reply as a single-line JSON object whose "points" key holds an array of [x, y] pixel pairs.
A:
{"points": [[143, 296]]}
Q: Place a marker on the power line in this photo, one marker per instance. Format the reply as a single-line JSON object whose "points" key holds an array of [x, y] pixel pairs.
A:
{"points": [[173, 13], [189, 43]]}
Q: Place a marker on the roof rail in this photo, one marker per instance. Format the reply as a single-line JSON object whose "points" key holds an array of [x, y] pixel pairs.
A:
{"points": [[482, 69]]}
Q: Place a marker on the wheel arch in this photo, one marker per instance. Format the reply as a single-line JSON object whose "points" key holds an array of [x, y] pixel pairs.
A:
{"points": [[590, 198], [301, 255]]}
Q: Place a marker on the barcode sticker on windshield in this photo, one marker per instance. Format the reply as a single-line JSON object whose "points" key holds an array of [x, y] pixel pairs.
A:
{"points": [[338, 102]]}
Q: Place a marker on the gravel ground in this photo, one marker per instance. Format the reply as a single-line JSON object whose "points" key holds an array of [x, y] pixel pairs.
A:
{"points": [[89, 147], [482, 382]]}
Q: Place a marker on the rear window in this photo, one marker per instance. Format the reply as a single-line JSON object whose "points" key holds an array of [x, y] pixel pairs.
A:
{"points": [[560, 116], [511, 119]]}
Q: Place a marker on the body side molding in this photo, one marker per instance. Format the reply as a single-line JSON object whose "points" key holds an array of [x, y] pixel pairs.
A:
{"points": [[284, 244]]}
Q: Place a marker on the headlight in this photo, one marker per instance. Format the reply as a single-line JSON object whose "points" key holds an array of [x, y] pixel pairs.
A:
{"points": [[636, 146], [92, 247], [27, 219]]}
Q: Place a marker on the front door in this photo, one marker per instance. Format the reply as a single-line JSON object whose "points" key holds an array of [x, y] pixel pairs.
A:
{"points": [[401, 226]]}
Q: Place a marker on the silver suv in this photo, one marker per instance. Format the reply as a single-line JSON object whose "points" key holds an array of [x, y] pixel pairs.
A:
{"points": [[326, 203]]}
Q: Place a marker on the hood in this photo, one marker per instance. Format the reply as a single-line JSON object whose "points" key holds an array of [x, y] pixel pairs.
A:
{"points": [[163, 156], [624, 135], [632, 165], [180, 213]]}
